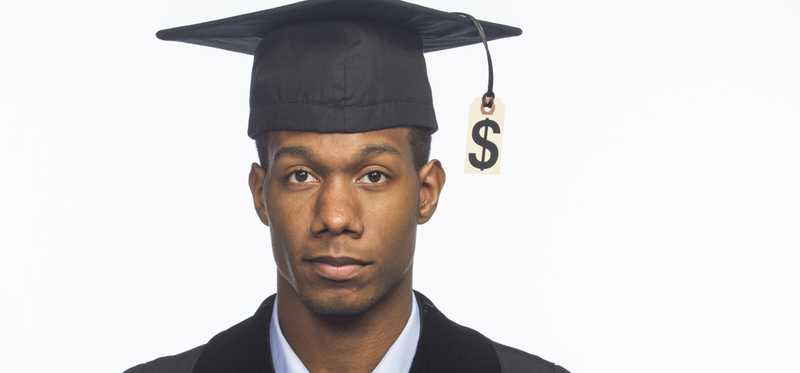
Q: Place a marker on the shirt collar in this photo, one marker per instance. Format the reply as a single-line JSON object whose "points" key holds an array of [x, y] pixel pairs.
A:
{"points": [[398, 357]]}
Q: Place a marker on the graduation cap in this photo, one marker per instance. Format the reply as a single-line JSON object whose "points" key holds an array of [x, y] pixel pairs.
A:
{"points": [[341, 65]]}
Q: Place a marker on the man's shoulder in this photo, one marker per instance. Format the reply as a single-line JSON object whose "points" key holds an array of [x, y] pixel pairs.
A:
{"points": [[179, 363], [513, 360]]}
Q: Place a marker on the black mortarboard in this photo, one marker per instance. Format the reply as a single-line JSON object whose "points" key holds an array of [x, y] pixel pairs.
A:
{"points": [[340, 65]]}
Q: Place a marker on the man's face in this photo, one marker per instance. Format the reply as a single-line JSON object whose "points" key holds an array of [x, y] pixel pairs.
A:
{"points": [[354, 195]]}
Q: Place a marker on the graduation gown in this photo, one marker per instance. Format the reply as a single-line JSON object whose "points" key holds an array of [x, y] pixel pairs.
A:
{"points": [[443, 346]]}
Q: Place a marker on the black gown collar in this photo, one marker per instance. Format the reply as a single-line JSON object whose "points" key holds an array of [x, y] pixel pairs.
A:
{"points": [[443, 346]]}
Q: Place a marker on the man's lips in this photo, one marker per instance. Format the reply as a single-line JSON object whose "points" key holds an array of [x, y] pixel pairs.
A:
{"points": [[340, 268]]}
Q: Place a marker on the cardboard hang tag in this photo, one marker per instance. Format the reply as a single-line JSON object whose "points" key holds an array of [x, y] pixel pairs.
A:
{"points": [[484, 138]]}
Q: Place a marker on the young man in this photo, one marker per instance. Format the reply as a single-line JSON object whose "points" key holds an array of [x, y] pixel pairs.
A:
{"points": [[342, 115]]}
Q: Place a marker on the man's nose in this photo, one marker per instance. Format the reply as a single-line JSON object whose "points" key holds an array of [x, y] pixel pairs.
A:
{"points": [[337, 209]]}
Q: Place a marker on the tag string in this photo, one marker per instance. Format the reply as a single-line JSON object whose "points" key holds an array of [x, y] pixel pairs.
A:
{"points": [[488, 97]]}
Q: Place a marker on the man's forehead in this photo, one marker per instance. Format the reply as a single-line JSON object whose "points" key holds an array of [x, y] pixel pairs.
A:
{"points": [[397, 136], [390, 140]]}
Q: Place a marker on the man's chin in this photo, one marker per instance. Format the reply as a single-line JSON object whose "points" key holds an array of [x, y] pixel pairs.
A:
{"points": [[341, 304]]}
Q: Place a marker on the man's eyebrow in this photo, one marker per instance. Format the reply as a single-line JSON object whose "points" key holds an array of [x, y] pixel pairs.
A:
{"points": [[366, 152], [374, 150], [298, 151]]}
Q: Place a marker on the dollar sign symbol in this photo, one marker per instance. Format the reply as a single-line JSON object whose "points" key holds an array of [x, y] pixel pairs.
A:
{"points": [[481, 140]]}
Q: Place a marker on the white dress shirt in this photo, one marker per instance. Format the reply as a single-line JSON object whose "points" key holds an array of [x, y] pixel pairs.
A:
{"points": [[396, 360]]}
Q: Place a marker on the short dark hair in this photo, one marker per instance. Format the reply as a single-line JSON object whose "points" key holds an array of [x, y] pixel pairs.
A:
{"points": [[418, 138]]}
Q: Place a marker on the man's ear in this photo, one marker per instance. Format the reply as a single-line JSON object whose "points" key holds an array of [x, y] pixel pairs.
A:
{"points": [[256, 180], [431, 182]]}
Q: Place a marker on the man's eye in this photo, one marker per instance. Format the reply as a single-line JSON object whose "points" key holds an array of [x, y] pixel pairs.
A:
{"points": [[374, 177], [301, 176]]}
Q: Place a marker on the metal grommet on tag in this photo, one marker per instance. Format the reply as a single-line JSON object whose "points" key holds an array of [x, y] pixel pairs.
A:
{"points": [[487, 106]]}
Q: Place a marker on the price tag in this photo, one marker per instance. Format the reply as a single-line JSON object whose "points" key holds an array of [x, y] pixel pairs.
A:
{"points": [[484, 138]]}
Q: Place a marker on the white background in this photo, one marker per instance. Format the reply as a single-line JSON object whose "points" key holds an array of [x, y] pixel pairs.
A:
{"points": [[646, 218]]}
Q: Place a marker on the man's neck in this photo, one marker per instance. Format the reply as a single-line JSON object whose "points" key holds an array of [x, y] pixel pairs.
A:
{"points": [[330, 343]]}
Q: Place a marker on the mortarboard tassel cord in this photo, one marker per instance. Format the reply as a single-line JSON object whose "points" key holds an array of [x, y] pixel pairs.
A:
{"points": [[488, 97]]}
